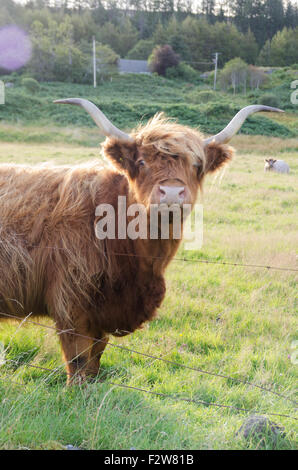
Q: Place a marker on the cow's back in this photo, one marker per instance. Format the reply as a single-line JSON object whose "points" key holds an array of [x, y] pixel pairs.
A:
{"points": [[281, 167], [45, 213]]}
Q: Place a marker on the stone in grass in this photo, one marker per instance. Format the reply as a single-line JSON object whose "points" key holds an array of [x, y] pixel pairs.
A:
{"points": [[55, 445], [261, 428], [71, 447]]}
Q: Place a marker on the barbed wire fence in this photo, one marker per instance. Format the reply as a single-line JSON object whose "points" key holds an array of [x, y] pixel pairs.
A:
{"points": [[176, 397], [190, 260], [205, 261]]}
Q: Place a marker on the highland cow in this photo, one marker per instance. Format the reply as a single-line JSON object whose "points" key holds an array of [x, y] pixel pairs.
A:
{"points": [[51, 262], [277, 166]]}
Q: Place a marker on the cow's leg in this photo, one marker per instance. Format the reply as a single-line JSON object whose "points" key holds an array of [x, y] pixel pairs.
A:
{"points": [[96, 351], [81, 355]]}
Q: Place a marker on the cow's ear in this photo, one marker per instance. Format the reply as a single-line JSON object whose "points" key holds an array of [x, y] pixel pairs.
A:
{"points": [[123, 155], [266, 160], [217, 155]]}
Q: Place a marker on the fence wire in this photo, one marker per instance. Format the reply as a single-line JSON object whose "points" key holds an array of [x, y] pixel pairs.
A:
{"points": [[190, 260], [176, 398], [205, 261], [156, 358], [151, 356]]}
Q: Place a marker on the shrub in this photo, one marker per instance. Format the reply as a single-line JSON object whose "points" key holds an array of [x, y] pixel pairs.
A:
{"points": [[162, 58], [269, 100], [217, 110], [182, 71], [30, 84], [206, 95]]}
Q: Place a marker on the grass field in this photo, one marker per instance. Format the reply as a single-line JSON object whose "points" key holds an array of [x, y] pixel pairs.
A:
{"points": [[235, 321]]}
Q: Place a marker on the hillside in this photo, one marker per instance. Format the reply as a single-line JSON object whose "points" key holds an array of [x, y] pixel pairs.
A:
{"points": [[127, 99]]}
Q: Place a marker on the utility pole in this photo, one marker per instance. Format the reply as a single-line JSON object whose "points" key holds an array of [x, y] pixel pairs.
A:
{"points": [[94, 63], [215, 60]]}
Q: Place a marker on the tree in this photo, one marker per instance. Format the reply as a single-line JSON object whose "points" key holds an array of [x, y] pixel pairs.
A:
{"points": [[265, 53], [250, 49], [282, 50], [235, 74], [208, 7], [159, 35], [274, 14], [263, 17], [142, 50], [175, 38], [128, 37], [55, 57], [221, 17], [108, 34], [242, 10], [291, 16], [120, 38], [256, 77], [84, 27], [162, 58], [42, 62]]}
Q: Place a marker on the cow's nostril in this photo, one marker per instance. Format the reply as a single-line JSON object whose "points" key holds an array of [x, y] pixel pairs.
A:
{"points": [[171, 194]]}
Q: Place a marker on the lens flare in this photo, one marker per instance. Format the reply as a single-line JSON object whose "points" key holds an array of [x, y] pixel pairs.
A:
{"points": [[15, 48]]}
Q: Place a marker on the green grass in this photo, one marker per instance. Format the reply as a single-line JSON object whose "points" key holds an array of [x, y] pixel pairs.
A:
{"points": [[235, 321]]}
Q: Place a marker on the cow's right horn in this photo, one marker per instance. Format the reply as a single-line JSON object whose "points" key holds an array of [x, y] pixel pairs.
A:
{"points": [[99, 118], [230, 130]]}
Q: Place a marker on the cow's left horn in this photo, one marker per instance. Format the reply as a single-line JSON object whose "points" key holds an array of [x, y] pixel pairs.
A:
{"points": [[228, 132], [99, 118]]}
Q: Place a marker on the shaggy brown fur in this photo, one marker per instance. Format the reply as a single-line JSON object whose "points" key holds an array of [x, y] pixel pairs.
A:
{"points": [[51, 262]]}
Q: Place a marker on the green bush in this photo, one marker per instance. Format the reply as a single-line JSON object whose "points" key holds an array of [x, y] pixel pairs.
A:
{"points": [[269, 100], [30, 84], [254, 94], [182, 71], [198, 97]]}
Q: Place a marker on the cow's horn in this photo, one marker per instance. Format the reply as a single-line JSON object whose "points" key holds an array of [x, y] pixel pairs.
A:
{"points": [[100, 119], [228, 132]]}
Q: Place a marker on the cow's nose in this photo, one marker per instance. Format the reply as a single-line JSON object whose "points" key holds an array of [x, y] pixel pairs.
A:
{"points": [[171, 194]]}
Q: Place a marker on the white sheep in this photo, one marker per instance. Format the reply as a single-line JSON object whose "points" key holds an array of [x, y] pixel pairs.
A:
{"points": [[279, 166]]}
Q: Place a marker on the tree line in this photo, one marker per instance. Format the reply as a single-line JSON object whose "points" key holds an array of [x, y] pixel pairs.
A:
{"points": [[263, 17], [263, 32]]}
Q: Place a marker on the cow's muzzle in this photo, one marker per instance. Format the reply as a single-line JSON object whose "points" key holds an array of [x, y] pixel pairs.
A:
{"points": [[170, 192]]}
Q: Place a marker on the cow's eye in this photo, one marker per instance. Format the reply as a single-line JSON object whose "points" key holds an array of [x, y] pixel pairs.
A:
{"points": [[198, 166], [141, 163]]}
